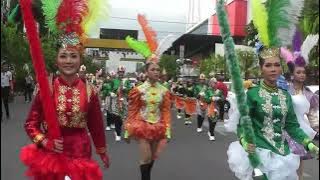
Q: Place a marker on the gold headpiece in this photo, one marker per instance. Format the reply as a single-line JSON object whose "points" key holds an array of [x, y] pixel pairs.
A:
{"points": [[270, 52]]}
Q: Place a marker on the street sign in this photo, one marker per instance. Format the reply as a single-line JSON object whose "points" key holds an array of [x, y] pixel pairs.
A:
{"points": [[181, 52]]}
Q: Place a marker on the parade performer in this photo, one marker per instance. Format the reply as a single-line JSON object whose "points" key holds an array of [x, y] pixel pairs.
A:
{"points": [[304, 101], [164, 79], [119, 93], [199, 92], [190, 102], [221, 103], [149, 118], [212, 95], [65, 106], [178, 98], [141, 79], [267, 111], [106, 90], [82, 72], [233, 113]]}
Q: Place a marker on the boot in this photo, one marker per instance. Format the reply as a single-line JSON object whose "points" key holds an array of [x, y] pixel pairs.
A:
{"points": [[145, 171]]}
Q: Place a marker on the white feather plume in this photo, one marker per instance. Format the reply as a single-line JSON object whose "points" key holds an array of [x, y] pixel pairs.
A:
{"points": [[307, 45], [165, 43], [293, 12]]}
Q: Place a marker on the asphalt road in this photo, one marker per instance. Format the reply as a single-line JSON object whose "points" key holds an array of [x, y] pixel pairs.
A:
{"points": [[188, 156]]}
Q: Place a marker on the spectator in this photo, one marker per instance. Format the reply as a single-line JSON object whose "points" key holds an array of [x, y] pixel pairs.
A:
{"points": [[28, 88], [6, 88]]}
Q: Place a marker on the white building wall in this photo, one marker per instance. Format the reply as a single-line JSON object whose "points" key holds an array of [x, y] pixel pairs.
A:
{"points": [[114, 61]]}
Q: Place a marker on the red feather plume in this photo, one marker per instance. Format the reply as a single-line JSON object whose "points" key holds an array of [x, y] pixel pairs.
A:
{"points": [[149, 33], [70, 15], [40, 70]]}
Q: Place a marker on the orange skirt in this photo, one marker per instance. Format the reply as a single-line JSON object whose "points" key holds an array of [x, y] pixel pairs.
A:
{"points": [[179, 102], [190, 106], [140, 129], [211, 108]]}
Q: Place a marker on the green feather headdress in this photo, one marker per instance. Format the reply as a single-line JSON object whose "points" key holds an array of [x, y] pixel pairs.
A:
{"points": [[275, 21]]}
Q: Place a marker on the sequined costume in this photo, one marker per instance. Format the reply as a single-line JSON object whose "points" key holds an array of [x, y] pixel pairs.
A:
{"points": [[119, 92], [149, 112], [272, 114], [78, 111]]}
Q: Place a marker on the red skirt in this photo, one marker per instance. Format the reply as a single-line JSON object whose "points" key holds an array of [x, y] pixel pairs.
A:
{"points": [[75, 161], [42, 163], [141, 129]]}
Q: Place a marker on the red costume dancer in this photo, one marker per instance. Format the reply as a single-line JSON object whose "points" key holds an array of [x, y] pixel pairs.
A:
{"points": [[65, 106], [149, 105]]}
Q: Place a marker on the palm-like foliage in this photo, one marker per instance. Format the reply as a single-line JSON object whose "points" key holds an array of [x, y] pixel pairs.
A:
{"points": [[213, 64], [310, 21], [248, 63]]}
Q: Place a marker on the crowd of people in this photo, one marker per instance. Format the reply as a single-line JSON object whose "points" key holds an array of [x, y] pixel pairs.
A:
{"points": [[190, 96]]}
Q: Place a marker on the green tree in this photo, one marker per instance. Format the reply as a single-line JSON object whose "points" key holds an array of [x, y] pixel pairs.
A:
{"points": [[251, 34], [168, 62], [248, 63], [214, 64], [15, 50], [309, 21], [309, 24]]}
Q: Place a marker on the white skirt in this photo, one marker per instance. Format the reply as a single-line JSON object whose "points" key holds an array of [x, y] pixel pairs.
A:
{"points": [[275, 166]]}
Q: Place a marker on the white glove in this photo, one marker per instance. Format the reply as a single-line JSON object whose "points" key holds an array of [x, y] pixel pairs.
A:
{"points": [[113, 94], [215, 98]]}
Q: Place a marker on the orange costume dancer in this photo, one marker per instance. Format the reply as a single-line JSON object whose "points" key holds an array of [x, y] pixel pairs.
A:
{"points": [[190, 102], [179, 99], [149, 117], [65, 107], [149, 112]]}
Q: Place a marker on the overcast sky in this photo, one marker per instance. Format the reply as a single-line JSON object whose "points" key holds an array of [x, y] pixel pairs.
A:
{"points": [[155, 10], [123, 15]]}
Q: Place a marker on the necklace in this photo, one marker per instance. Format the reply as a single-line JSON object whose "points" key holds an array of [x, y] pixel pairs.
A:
{"points": [[269, 88]]}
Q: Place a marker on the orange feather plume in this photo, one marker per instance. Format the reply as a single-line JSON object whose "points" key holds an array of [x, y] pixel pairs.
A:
{"points": [[149, 33]]}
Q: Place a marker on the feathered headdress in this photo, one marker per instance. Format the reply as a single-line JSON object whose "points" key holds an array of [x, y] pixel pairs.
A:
{"points": [[73, 20], [275, 21], [301, 50], [150, 49]]}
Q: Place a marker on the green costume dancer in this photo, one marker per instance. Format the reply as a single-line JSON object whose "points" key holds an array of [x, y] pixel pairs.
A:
{"points": [[119, 93], [212, 95], [106, 90], [266, 112], [199, 91]]}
